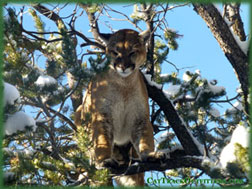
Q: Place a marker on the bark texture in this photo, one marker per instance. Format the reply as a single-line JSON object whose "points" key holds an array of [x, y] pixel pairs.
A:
{"points": [[228, 44], [174, 120]]}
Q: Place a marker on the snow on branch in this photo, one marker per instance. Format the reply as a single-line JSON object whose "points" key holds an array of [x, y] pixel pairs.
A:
{"points": [[18, 122], [240, 136], [11, 94], [150, 82], [45, 80]]}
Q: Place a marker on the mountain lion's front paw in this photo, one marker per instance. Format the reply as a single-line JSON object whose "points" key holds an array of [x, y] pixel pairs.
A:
{"points": [[110, 163], [155, 156]]}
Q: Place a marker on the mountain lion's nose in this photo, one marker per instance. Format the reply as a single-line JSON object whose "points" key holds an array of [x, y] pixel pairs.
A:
{"points": [[122, 66]]}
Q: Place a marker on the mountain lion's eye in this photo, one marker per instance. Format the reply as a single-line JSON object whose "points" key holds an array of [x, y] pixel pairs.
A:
{"points": [[132, 53], [114, 53]]}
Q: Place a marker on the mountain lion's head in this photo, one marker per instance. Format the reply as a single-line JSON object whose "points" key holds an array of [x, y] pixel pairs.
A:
{"points": [[127, 51]]}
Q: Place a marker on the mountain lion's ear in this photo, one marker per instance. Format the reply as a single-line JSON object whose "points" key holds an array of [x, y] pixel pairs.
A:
{"points": [[105, 37], [145, 35]]}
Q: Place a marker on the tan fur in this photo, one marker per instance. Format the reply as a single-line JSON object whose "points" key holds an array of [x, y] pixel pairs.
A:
{"points": [[118, 103]]}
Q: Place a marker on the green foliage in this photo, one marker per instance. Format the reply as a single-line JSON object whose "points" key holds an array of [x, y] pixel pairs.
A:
{"points": [[83, 140], [12, 25], [195, 102], [93, 8], [137, 15], [161, 51], [99, 65], [171, 37], [242, 155], [102, 176], [38, 22], [57, 154], [68, 49]]}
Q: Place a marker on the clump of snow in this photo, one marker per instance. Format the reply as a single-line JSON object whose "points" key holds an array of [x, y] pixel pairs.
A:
{"points": [[17, 122], [11, 94], [215, 149], [239, 90], [237, 106], [59, 45], [227, 155], [152, 83], [49, 96], [82, 176], [164, 75], [215, 89], [244, 45], [45, 80], [197, 72], [186, 77], [161, 138], [103, 64], [137, 13], [172, 91], [241, 136]]}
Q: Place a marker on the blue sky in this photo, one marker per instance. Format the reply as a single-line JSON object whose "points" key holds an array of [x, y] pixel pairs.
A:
{"points": [[198, 48]]}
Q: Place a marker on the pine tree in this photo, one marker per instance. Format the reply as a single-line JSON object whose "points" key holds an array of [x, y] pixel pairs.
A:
{"points": [[50, 73]]}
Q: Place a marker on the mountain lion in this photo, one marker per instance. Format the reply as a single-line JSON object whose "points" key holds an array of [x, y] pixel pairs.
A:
{"points": [[117, 101]]}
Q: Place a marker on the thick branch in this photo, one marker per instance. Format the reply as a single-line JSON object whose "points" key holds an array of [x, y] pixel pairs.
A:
{"points": [[157, 165], [177, 159], [88, 41], [150, 27], [227, 42], [93, 22], [174, 120], [233, 15], [76, 96], [48, 13]]}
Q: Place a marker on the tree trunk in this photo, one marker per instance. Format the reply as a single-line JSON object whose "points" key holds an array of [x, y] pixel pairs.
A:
{"points": [[228, 44]]}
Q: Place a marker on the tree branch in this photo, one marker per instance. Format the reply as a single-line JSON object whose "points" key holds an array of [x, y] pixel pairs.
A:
{"points": [[228, 44], [233, 15], [93, 22], [48, 13], [157, 165], [149, 23], [120, 13], [174, 120], [177, 159], [88, 41]]}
